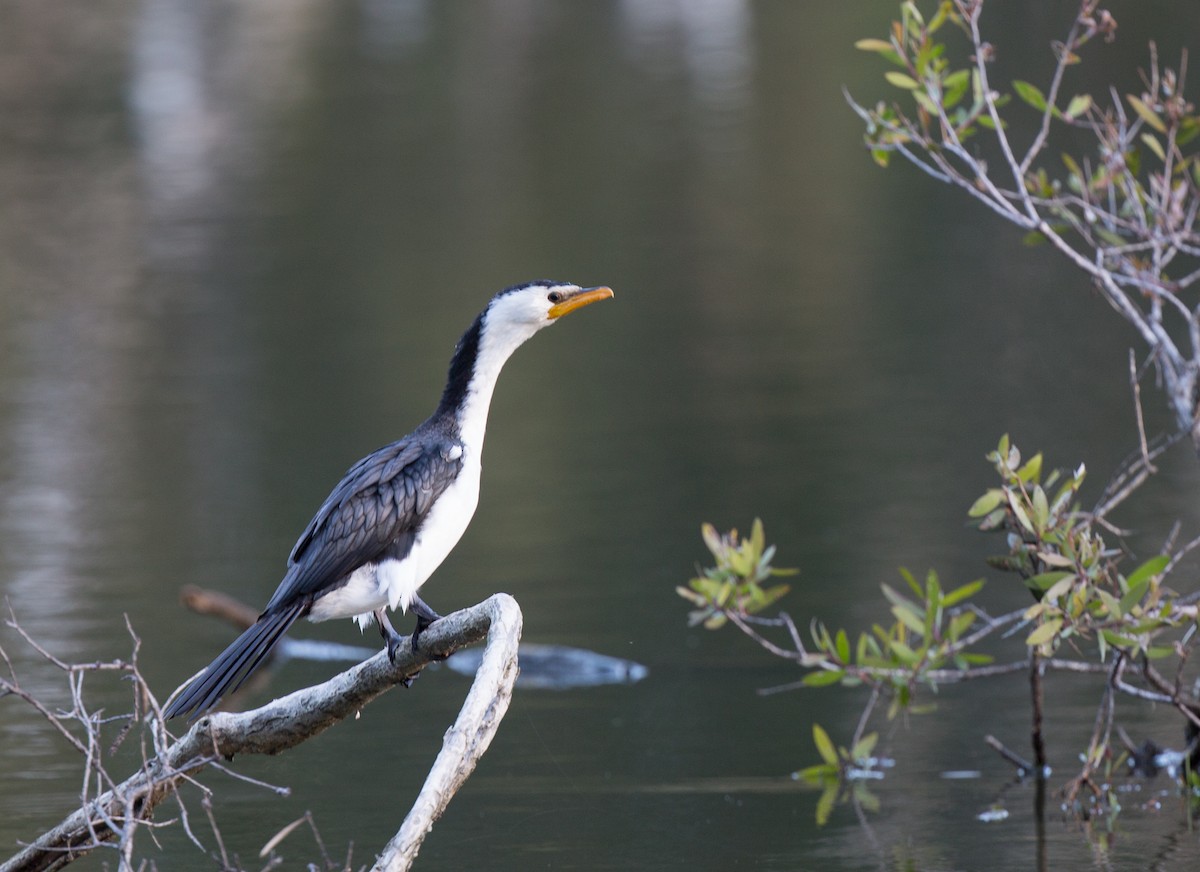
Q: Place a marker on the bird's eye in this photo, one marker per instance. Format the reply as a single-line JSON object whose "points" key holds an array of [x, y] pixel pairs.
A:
{"points": [[555, 296]]}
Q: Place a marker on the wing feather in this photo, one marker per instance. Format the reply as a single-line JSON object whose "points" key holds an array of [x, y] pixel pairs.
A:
{"points": [[373, 512]]}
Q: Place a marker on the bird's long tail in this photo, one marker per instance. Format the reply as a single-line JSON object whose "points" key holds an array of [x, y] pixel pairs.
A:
{"points": [[234, 665]]}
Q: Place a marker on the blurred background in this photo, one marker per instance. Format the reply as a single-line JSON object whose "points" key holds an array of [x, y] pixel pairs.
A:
{"points": [[237, 244]]}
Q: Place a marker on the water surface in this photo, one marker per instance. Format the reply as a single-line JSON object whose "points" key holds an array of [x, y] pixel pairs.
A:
{"points": [[236, 247]]}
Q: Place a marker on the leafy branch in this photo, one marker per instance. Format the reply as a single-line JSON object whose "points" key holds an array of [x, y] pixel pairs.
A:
{"points": [[1123, 211], [1082, 595], [734, 587]]}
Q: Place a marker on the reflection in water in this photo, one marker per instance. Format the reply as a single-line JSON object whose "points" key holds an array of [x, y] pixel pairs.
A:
{"points": [[559, 667], [714, 37], [177, 125], [390, 28]]}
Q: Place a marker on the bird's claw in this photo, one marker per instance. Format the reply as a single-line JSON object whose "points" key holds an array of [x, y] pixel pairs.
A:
{"points": [[394, 643], [422, 626]]}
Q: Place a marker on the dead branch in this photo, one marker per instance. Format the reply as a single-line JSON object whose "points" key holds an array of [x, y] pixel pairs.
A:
{"points": [[212, 602], [297, 717], [1023, 766], [464, 743]]}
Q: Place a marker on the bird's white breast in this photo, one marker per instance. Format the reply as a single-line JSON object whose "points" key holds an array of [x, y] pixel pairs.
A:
{"points": [[395, 583]]}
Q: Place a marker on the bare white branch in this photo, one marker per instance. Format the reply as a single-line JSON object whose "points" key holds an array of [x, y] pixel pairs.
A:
{"points": [[114, 813]]}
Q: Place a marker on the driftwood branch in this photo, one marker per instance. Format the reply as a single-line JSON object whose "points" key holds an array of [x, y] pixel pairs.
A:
{"points": [[466, 741], [292, 719]]}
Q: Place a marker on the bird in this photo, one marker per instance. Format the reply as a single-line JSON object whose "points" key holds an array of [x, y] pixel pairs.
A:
{"points": [[396, 513]]}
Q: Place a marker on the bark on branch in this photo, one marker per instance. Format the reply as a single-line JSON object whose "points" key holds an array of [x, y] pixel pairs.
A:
{"points": [[292, 719]]}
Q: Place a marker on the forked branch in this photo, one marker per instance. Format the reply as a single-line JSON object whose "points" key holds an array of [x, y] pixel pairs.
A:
{"points": [[299, 716]]}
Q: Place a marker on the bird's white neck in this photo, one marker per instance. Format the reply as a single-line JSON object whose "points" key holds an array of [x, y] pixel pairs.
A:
{"points": [[481, 354]]}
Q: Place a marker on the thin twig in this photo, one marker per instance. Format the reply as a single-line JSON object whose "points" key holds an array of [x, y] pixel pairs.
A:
{"points": [[1136, 387], [1023, 765]]}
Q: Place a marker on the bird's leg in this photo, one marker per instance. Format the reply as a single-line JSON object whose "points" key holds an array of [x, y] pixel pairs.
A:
{"points": [[393, 639], [425, 617]]}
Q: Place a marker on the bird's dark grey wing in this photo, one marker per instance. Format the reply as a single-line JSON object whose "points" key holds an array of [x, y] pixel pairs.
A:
{"points": [[373, 512]]}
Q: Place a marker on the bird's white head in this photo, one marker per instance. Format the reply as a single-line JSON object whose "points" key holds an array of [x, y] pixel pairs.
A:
{"points": [[516, 313], [511, 317], [538, 304]]}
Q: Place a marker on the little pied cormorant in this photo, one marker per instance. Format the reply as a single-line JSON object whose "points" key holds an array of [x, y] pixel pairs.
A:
{"points": [[398, 512]]}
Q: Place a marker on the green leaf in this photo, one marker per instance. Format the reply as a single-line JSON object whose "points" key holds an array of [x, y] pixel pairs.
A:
{"points": [[861, 650], [867, 800], [712, 540], [769, 596], [1044, 633], [823, 678], [1146, 113], [1111, 604], [939, 17], [1117, 640], [740, 562], [994, 521], [924, 101], [900, 80], [1052, 558], [1032, 470], [1152, 143], [824, 745], [864, 747], [903, 653], [1152, 567], [818, 774], [986, 503], [875, 45], [1135, 595], [758, 538], [1079, 104], [1045, 580], [933, 591], [977, 659], [843, 646], [826, 803], [961, 593], [1041, 507], [1015, 503], [1059, 589], [1031, 94], [912, 16], [911, 618], [959, 624], [954, 87], [821, 637]]}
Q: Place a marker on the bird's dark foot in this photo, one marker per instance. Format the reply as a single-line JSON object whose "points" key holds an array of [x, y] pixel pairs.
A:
{"points": [[394, 646], [415, 639], [425, 617], [393, 639]]}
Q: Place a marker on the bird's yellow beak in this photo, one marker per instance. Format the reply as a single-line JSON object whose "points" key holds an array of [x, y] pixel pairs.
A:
{"points": [[578, 300]]}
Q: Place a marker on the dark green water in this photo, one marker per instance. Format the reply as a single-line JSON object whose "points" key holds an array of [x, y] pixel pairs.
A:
{"points": [[237, 243]]}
